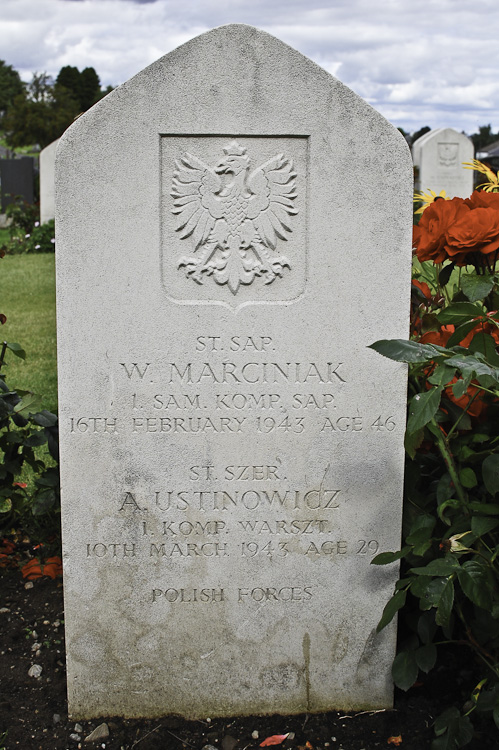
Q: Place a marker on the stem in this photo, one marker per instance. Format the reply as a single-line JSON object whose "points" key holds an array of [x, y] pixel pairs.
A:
{"points": [[2, 355], [456, 423], [449, 462]]}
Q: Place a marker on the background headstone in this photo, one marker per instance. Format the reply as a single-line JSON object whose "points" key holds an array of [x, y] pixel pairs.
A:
{"points": [[438, 157], [233, 231], [47, 182], [16, 180]]}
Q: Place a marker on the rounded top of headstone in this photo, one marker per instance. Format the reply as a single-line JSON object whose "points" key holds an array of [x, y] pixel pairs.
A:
{"points": [[239, 73]]}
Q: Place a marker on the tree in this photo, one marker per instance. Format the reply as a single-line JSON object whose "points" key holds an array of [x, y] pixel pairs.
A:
{"points": [[10, 86], [90, 91], [84, 87], [483, 137], [43, 109], [420, 132], [42, 115]]}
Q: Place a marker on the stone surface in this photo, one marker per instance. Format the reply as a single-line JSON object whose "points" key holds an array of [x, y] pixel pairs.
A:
{"points": [[231, 450], [47, 182], [438, 157]]}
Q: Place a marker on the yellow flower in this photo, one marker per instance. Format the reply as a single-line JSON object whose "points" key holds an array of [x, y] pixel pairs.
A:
{"points": [[492, 186], [427, 198]]}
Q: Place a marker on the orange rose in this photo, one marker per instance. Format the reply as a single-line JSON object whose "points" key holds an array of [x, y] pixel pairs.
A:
{"points": [[440, 337], [475, 231], [479, 199], [430, 234], [423, 287]]}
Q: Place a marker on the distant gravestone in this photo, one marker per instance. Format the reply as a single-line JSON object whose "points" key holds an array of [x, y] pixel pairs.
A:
{"points": [[234, 229], [16, 180], [438, 157], [47, 182]]}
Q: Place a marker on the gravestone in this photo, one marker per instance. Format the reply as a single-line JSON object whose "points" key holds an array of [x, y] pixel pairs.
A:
{"points": [[16, 180], [438, 157], [234, 230], [47, 182]]}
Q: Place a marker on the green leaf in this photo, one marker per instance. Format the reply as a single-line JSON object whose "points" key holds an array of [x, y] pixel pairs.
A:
{"points": [[445, 604], [445, 489], [384, 558], [392, 607], [452, 730], [405, 670], [420, 535], [460, 387], [461, 332], [474, 367], [475, 287], [452, 503], [17, 350], [426, 657], [37, 438], [475, 580], [467, 477], [427, 627], [490, 473], [28, 404], [442, 375], [445, 274], [484, 344], [45, 418], [482, 525], [422, 408], [442, 566], [5, 505], [459, 312], [43, 502], [487, 509], [428, 590], [412, 441], [401, 350]]}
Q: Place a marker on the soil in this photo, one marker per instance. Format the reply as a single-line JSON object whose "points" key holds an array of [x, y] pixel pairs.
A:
{"points": [[33, 710]]}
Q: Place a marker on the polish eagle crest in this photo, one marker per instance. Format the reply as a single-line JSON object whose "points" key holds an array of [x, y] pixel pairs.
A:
{"points": [[235, 217]]}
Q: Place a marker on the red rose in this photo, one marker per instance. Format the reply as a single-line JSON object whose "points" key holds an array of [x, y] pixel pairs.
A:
{"points": [[476, 231], [430, 234], [479, 199]]}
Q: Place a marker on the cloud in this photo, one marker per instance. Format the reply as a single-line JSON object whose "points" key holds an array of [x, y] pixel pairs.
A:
{"points": [[430, 64]]}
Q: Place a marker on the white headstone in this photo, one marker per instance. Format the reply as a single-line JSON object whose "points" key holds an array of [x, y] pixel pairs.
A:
{"points": [[438, 157], [234, 230], [47, 182]]}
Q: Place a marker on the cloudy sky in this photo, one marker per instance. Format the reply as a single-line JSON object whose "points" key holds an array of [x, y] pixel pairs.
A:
{"points": [[419, 62]]}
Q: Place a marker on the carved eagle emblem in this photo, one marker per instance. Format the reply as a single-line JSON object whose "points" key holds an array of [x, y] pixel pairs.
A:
{"points": [[235, 217]]}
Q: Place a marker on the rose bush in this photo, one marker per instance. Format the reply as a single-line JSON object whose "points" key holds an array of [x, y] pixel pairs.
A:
{"points": [[449, 589]]}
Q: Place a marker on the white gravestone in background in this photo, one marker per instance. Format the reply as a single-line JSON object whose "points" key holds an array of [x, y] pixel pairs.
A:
{"points": [[234, 230], [47, 182], [438, 157]]}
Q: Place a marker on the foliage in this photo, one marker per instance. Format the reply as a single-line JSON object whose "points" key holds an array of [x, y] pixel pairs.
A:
{"points": [[41, 116], [419, 133], [450, 568], [484, 137], [23, 428], [84, 87], [10, 86], [26, 234], [42, 111]]}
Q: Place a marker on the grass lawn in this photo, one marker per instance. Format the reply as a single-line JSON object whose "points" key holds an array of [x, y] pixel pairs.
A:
{"points": [[27, 298]]}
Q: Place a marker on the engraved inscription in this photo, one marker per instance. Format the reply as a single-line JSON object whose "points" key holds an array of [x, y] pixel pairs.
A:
{"points": [[235, 217], [447, 154]]}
